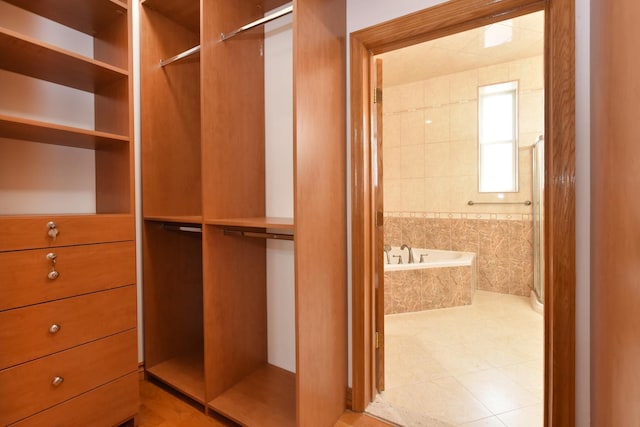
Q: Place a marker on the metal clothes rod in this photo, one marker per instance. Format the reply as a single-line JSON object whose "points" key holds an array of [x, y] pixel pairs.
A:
{"points": [[258, 234], [190, 229], [275, 15], [526, 203], [180, 56]]}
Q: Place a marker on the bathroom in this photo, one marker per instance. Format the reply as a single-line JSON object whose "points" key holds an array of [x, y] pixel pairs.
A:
{"points": [[449, 205]]}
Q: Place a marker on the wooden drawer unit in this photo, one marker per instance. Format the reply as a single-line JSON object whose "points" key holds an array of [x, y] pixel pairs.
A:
{"points": [[31, 332], [17, 233], [108, 405], [43, 383], [27, 277]]}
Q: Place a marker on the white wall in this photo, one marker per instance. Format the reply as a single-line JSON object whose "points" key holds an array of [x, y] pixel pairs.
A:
{"points": [[278, 75], [365, 13]]}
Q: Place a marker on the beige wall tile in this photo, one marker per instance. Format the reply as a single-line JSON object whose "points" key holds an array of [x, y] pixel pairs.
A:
{"points": [[412, 96], [464, 158], [437, 194], [529, 71], [412, 128], [413, 195], [391, 127], [464, 86], [437, 91], [493, 74], [531, 112], [412, 163], [437, 160], [392, 99], [437, 123], [464, 121], [392, 195], [392, 163]]}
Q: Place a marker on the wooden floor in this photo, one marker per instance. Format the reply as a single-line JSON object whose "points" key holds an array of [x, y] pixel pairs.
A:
{"points": [[161, 408]]}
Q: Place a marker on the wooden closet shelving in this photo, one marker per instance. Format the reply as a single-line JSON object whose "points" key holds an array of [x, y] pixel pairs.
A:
{"points": [[203, 145], [68, 325]]}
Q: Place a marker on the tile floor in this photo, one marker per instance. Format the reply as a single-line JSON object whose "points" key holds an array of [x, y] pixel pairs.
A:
{"points": [[471, 366]]}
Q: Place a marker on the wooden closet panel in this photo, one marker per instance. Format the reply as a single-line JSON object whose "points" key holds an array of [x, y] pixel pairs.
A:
{"points": [[320, 210], [615, 213], [173, 282], [111, 45], [170, 118], [235, 299], [114, 179], [233, 134], [25, 332]]}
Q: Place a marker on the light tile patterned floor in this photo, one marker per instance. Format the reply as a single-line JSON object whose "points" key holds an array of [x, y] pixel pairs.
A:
{"points": [[471, 366]]}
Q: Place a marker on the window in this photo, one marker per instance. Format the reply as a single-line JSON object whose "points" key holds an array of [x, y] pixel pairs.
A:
{"points": [[497, 138]]}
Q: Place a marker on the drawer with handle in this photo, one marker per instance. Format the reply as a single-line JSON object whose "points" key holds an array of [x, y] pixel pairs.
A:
{"points": [[46, 231], [40, 384], [108, 405], [35, 331], [34, 276]]}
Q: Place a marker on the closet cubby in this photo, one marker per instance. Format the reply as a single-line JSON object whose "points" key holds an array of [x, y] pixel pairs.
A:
{"points": [[203, 144], [106, 75]]}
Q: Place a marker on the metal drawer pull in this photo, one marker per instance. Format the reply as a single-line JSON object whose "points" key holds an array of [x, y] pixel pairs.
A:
{"points": [[53, 231], [53, 329], [53, 274], [57, 381]]}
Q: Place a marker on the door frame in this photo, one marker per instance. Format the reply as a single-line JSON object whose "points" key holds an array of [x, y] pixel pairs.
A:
{"points": [[560, 275]]}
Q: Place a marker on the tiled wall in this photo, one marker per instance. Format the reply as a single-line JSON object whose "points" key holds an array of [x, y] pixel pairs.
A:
{"points": [[428, 288], [430, 169], [503, 244], [430, 139]]}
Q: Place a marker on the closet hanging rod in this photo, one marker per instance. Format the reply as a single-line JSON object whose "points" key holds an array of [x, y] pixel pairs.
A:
{"points": [[526, 203], [187, 228], [268, 18], [180, 56], [257, 234]]}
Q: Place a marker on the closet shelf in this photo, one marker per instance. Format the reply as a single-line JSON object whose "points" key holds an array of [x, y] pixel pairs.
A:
{"points": [[267, 397], [28, 56], [54, 134], [256, 222], [86, 16], [175, 219], [185, 12], [183, 373]]}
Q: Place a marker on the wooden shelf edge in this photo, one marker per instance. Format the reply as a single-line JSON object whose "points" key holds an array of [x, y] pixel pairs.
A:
{"points": [[50, 133], [34, 58], [175, 219], [68, 215], [88, 16], [184, 374], [266, 397], [255, 222]]}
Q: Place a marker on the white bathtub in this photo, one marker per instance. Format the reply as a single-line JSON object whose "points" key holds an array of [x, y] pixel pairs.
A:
{"points": [[432, 258]]}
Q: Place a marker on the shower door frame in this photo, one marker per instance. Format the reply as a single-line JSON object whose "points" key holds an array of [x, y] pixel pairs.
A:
{"points": [[559, 233]]}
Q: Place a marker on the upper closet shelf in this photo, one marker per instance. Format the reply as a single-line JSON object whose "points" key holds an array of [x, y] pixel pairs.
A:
{"points": [[86, 16], [24, 55], [32, 130], [184, 12], [268, 18]]}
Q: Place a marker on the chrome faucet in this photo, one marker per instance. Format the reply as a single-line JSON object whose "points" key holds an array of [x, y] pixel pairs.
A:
{"points": [[405, 246], [387, 249]]}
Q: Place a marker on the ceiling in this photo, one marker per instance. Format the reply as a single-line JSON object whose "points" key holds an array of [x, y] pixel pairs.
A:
{"points": [[517, 38]]}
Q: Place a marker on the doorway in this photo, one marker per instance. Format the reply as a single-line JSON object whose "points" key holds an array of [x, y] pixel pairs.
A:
{"points": [[445, 19], [462, 117]]}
